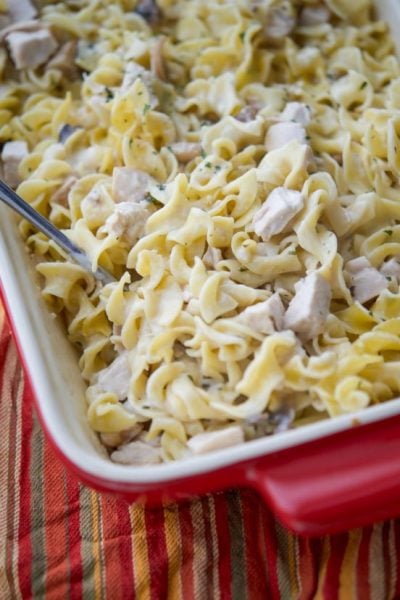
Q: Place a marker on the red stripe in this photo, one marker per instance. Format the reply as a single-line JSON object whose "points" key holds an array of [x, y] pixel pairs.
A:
{"points": [[363, 587], [24, 537], [309, 553], [57, 574], [117, 548], [157, 552], [186, 529], [253, 544], [74, 535], [271, 546], [224, 543], [209, 550], [338, 544], [124, 526]]}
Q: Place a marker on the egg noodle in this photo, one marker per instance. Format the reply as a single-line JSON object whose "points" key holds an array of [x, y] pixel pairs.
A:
{"points": [[168, 347]]}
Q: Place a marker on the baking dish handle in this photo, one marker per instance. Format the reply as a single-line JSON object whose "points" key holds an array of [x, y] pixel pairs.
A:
{"points": [[343, 481]]}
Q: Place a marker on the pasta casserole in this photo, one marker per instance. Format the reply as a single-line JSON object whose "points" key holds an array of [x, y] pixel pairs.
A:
{"points": [[235, 165]]}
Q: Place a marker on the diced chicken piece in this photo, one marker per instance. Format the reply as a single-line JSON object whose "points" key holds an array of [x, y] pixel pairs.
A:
{"points": [[115, 378], [280, 134], [280, 22], [26, 26], [265, 317], [12, 156], [317, 14], [31, 49], [113, 440], [61, 195], [391, 268], [365, 281], [309, 308], [64, 60], [276, 212], [186, 151], [212, 257], [21, 10], [127, 222], [296, 112], [157, 64], [247, 113], [137, 453], [216, 440], [131, 185], [95, 208]]}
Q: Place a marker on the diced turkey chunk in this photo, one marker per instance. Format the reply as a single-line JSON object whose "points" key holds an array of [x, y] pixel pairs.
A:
{"points": [[296, 112], [309, 308], [216, 440], [64, 60], [280, 134], [115, 378], [131, 185], [366, 282], [280, 22], [317, 14], [277, 211], [212, 257], [127, 222], [30, 49], [21, 10], [61, 195], [391, 268], [113, 440], [185, 151], [265, 317], [137, 453], [12, 155]]}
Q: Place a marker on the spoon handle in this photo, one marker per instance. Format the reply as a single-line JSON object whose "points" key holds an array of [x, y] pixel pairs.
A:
{"points": [[14, 201]]}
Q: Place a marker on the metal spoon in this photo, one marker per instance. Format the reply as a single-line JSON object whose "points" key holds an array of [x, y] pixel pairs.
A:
{"points": [[9, 197]]}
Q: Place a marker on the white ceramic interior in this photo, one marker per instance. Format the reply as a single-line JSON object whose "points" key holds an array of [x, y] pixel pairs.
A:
{"points": [[52, 364]]}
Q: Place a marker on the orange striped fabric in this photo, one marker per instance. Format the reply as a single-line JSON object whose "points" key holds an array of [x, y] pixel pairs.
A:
{"points": [[60, 540]]}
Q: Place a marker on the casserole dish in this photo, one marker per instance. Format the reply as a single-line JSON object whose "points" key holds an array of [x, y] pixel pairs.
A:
{"points": [[321, 478]]}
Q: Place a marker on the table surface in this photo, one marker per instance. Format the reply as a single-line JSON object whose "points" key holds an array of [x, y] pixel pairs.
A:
{"points": [[59, 539]]}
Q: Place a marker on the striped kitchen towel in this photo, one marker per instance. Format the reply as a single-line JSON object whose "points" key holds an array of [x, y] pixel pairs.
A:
{"points": [[60, 540]]}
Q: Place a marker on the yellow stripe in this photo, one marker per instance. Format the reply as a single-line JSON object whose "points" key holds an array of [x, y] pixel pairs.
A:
{"points": [[200, 551], [140, 556], [347, 578], [377, 567], [393, 560], [17, 473], [215, 549], [293, 564], [326, 551], [96, 545], [173, 542], [5, 413]]}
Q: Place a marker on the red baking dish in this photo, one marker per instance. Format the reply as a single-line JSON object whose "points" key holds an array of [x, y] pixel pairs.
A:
{"points": [[321, 478]]}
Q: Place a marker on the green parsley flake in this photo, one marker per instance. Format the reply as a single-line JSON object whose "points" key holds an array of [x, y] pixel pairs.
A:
{"points": [[388, 231], [146, 108]]}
